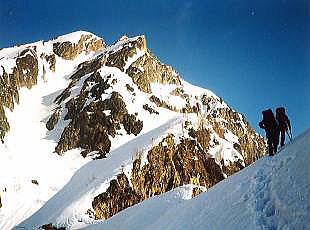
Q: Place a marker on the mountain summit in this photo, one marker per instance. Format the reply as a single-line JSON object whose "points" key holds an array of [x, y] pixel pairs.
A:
{"points": [[90, 129]]}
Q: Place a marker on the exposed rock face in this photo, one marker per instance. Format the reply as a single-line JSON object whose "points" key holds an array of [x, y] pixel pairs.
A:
{"points": [[52, 121], [25, 73], [51, 60], [26, 69], [169, 165], [69, 51], [148, 69], [90, 127], [196, 191], [150, 109], [251, 144], [120, 57]]}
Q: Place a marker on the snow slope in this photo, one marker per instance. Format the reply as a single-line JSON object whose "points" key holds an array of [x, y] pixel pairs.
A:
{"points": [[272, 193]]}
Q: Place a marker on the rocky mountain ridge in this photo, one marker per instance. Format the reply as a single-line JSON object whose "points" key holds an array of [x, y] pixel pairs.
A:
{"points": [[112, 96]]}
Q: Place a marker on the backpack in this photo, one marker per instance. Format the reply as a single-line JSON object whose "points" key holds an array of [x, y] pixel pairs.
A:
{"points": [[269, 122], [268, 115]]}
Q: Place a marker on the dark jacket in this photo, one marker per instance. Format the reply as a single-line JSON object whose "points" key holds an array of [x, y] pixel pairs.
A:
{"points": [[269, 122]]}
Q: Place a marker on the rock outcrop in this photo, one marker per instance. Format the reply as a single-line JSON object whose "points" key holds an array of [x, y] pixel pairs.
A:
{"points": [[169, 165], [87, 43], [148, 69], [51, 60], [93, 125], [24, 74]]}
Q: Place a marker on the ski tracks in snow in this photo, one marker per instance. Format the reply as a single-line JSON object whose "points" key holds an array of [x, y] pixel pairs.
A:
{"points": [[264, 205]]}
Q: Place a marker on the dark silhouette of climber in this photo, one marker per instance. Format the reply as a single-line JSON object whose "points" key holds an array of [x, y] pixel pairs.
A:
{"points": [[284, 123], [269, 124]]}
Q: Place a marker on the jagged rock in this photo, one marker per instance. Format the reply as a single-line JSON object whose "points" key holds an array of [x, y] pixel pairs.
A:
{"points": [[52, 61], [148, 69], [129, 88], [120, 57], [132, 125], [35, 182], [187, 109], [169, 166], [252, 146], [86, 44], [26, 70], [25, 73], [196, 191], [90, 128], [179, 92], [4, 124], [118, 196], [151, 110], [52, 121], [162, 104]]}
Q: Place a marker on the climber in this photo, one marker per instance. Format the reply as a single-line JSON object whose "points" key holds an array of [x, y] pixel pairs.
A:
{"points": [[284, 124], [271, 127]]}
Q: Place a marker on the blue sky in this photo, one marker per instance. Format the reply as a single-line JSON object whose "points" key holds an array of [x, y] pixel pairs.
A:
{"points": [[254, 54]]}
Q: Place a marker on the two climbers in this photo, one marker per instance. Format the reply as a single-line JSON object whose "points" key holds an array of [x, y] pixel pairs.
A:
{"points": [[274, 126]]}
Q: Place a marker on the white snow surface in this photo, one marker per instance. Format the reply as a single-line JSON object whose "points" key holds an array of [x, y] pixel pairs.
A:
{"points": [[272, 193]]}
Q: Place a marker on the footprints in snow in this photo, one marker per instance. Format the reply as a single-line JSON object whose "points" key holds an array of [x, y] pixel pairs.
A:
{"points": [[263, 203]]}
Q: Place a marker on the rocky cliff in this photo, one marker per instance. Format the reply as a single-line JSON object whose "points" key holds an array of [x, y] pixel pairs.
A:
{"points": [[115, 95]]}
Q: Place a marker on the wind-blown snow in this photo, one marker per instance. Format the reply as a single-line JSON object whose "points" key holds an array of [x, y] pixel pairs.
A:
{"points": [[272, 193]]}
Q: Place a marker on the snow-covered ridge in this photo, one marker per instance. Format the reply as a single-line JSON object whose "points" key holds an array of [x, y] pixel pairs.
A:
{"points": [[74, 37]]}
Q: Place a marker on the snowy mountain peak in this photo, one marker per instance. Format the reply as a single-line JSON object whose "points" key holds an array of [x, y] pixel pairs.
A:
{"points": [[74, 37], [103, 128]]}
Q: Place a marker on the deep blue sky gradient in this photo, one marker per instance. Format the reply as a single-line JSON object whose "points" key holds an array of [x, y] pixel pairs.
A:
{"points": [[254, 54]]}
